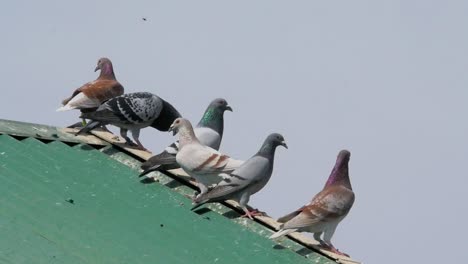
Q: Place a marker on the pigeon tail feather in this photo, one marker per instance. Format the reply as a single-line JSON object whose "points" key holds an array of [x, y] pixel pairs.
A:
{"points": [[65, 108], [150, 169], [197, 204], [282, 232], [90, 126], [160, 162]]}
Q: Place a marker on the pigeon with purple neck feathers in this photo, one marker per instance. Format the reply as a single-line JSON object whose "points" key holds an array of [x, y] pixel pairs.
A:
{"points": [[92, 94], [201, 162], [209, 132], [323, 214], [133, 112], [246, 180]]}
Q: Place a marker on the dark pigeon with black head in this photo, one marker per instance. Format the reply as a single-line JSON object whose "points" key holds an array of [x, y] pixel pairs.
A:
{"points": [[133, 112], [209, 132], [246, 180]]}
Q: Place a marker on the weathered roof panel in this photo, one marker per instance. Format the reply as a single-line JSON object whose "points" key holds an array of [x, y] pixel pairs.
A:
{"points": [[73, 203]]}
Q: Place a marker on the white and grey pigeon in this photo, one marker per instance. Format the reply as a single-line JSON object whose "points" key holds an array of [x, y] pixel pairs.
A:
{"points": [[248, 179], [209, 132], [206, 165], [133, 111], [327, 208]]}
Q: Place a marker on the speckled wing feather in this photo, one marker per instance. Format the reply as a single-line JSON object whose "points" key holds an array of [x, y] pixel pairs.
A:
{"points": [[129, 109]]}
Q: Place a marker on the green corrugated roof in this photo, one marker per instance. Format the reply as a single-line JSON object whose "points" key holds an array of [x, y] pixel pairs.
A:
{"points": [[64, 201]]}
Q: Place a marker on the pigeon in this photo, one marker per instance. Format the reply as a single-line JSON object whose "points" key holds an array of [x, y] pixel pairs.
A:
{"points": [[326, 209], [209, 132], [246, 180], [92, 94], [201, 162], [132, 111]]}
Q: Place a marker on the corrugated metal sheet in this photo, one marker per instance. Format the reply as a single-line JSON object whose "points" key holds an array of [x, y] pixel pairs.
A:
{"points": [[62, 203]]}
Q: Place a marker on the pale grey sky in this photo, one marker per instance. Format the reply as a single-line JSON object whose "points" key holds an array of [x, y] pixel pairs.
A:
{"points": [[385, 79]]}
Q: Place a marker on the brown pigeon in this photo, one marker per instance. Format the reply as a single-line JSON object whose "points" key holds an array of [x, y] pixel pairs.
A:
{"points": [[326, 209], [90, 96]]}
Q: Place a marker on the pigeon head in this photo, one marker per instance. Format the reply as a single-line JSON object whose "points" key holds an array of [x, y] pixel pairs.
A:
{"points": [[275, 140], [343, 157], [271, 142], [180, 125], [340, 173], [214, 115], [105, 65], [220, 104], [184, 129]]}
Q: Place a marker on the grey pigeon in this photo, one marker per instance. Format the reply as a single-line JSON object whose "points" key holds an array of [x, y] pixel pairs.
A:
{"points": [[209, 132], [327, 208], [201, 162], [248, 179], [133, 112], [92, 94]]}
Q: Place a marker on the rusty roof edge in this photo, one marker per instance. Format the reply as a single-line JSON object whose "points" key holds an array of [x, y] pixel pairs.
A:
{"points": [[24, 129]]}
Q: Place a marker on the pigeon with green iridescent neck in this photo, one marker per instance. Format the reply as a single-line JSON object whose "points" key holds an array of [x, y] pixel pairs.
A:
{"points": [[206, 165], [209, 132], [248, 179], [323, 214]]}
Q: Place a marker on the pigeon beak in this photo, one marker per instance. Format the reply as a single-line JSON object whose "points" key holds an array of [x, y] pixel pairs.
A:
{"points": [[171, 129], [228, 108], [283, 143], [97, 68]]}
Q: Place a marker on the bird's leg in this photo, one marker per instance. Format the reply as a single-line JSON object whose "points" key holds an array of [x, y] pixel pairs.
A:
{"points": [[318, 238], [105, 129], [140, 145], [203, 188], [115, 137], [83, 122], [244, 199], [326, 242], [247, 213], [330, 247], [128, 141], [136, 135], [250, 214], [191, 197]]}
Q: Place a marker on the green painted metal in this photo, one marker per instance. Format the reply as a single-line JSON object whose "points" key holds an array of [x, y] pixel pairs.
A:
{"points": [[77, 204], [44, 132]]}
